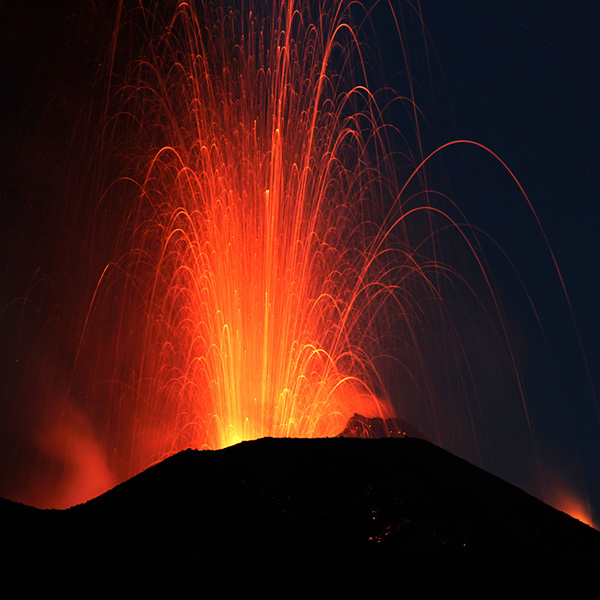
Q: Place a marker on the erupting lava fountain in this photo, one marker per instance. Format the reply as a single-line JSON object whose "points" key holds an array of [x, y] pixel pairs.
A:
{"points": [[257, 260]]}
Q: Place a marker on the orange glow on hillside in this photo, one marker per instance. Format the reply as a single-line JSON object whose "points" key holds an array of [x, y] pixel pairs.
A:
{"points": [[567, 501]]}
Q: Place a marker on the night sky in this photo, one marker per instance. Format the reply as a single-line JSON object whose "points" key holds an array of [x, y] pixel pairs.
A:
{"points": [[521, 78]]}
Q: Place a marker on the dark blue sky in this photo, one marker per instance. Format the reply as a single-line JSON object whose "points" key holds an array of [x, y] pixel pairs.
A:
{"points": [[523, 78]]}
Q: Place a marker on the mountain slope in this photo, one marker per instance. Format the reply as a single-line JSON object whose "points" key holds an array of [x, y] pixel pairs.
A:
{"points": [[341, 513]]}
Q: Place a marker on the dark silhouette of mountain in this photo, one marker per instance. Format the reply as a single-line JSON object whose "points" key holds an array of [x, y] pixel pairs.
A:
{"points": [[287, 517]]}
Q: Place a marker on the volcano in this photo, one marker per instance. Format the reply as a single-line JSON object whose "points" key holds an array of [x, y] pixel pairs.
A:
{"points": [[286, 516]]}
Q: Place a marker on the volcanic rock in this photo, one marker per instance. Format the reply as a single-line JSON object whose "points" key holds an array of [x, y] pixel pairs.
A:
{"points": [[378, 427], [283, 517]]}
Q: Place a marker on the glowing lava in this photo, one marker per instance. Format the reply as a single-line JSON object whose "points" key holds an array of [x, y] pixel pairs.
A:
{"points": [[252, 218]]}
